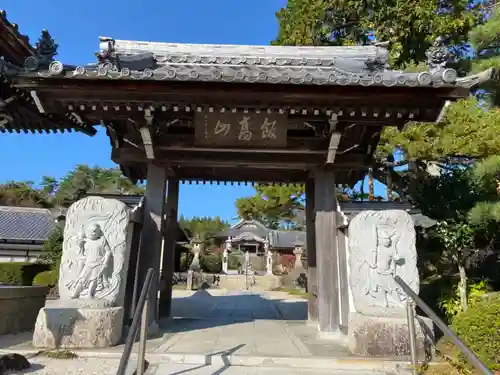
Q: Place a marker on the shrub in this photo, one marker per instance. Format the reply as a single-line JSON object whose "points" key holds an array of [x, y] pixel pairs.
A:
{"points": [[234, 261], [52, 248], [48, 278], [479, 328], [450, 302], [30, 270], [211, 263], [20, 273]]}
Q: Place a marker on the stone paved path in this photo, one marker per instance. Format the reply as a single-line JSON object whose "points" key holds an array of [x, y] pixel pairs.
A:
{"points": [[260, 334]]}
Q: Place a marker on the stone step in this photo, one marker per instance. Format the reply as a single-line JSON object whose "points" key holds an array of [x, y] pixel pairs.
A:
{"points": [[280, 363], [175, 369], [340, 365]]}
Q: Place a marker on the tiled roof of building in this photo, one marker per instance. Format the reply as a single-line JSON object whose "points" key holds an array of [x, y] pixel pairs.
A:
{"points": [[25, 224], [286, 239]]}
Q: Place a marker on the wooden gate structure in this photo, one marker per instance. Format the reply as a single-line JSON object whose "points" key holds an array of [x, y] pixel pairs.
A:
{"points": [[211, 113]]}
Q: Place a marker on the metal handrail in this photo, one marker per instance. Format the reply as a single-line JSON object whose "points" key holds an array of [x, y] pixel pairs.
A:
{"points": [[442, 326], [129, 342]]}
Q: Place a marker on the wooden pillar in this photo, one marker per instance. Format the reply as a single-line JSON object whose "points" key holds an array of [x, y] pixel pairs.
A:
{"points": [[169, 248], [131, 292], [343, 280], [312, 281], [327, 252], [152, 233]]}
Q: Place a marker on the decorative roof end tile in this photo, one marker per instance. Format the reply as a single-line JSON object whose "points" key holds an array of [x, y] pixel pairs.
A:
{"points": [[437, 56], [45, 51]]}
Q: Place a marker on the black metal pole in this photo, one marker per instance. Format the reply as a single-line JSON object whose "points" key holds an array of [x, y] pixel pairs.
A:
{"points": [[129, 342]]}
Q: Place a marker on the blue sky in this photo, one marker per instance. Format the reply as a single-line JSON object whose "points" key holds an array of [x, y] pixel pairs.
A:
{"points": [[76, 26]]}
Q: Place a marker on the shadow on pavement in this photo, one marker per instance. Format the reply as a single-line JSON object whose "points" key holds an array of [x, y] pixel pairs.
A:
{"points": [[203, 310]]}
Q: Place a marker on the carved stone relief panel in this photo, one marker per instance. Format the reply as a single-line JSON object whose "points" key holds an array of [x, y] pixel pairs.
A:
{"points": [[95, 252], [381, 246]]}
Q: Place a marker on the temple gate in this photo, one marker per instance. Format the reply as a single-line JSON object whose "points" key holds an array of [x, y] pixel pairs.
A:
{"points": [[180, 112]]}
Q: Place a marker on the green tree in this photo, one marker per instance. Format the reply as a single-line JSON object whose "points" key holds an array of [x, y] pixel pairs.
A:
{"points": [[471, 126], [204, 227], [23, 193], [276, 206], [410, 27], [84, 179], [52, 248]]}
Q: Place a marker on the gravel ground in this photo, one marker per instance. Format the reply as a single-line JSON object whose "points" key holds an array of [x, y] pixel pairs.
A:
{"points": [[80, 366]]}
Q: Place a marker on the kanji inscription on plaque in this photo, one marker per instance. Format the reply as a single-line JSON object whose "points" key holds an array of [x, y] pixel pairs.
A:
{"points": [[241, 129]]}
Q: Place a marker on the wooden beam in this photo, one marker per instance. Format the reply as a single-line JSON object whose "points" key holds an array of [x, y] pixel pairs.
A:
{"points": [[333, 146], [217, 159], [327, 252], [146, 135], [237, 175], [237, 93]]}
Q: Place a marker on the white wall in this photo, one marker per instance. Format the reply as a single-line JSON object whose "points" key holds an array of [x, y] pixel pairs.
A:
{"points": [[13, 258]]}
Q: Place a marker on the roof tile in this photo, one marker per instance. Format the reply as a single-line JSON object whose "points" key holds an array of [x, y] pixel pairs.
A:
{"points": [[23, 223]]}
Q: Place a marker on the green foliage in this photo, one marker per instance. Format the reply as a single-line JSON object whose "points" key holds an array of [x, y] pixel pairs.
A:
{"points": [[479, 328], [204, 227], [456, 237], [185, 262], [234, 261], [24, 194], [275, 206], [52, 248], [448, 196], [211, 263], [409, 27], [52, 193], [451, 303], [487, 176], [85, 179], [48, 278], [20, 273], [469, 129], [10, 273]]}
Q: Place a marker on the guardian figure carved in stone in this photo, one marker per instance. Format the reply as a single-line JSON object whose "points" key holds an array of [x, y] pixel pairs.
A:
{"points": [[95, 265], [95, 252], [383, 267], [381, 246]]}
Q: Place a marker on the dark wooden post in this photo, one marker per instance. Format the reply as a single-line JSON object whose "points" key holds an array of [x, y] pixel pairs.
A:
{"points": [[312, 281], [343, 280], [152, 234], [131, 292], [327, 251], [169, 247]]}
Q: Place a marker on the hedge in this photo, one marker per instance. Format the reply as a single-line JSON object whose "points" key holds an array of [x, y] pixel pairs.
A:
{"points": [[211, 263], [21, 273], [479, 328], [49, 278]]}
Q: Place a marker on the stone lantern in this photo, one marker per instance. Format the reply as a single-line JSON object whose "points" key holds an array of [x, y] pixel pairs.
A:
{"points": [[197, 247], [194, 268]]}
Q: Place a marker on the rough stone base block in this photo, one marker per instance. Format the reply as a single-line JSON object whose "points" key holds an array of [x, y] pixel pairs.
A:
{"points": [[60, 327], [375, 336]]}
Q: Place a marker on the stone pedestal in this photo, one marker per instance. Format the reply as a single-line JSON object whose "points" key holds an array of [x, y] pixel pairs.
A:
{"points": [[189, 281], [225, 255], [376, 336], [82, 328]]}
